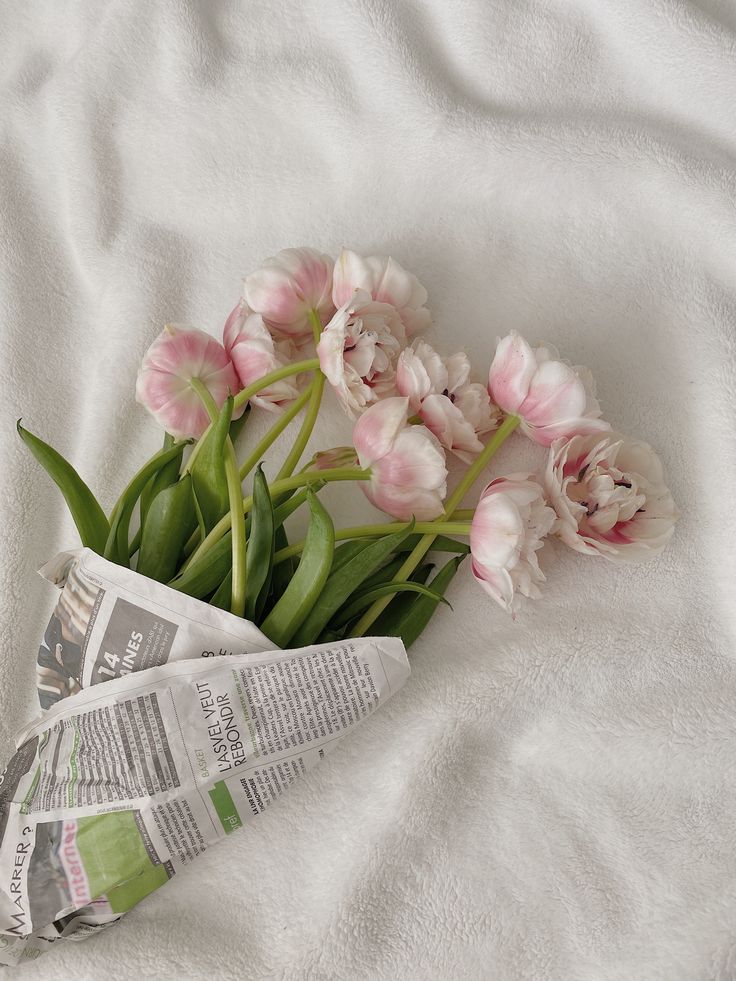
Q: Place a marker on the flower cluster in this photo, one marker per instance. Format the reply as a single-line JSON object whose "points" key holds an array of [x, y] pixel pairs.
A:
{"points": [[354, 325]]}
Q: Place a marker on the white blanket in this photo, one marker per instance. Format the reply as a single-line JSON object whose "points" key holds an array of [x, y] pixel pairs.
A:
{"points": [[550, 799]]}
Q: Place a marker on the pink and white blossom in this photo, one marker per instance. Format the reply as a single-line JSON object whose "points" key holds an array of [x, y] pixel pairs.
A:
{"points": [[610, 497], [407, 463], [358, 350], [552, 398], [286, 287], [510, 523], [387, 282], [254, 352], [455, 409], [163, 386]]}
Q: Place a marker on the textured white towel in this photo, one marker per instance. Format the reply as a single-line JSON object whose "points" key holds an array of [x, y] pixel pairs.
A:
{"points": [[551, 799]]}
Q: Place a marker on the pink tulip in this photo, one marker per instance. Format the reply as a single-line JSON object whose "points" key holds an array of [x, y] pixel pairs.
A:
{"points": [[407, 463], [552, 399], [386, 281], [610, 497], [178, 355], [255, 353], [358, 350], [286, 287], [509, 526], [455, 409]]}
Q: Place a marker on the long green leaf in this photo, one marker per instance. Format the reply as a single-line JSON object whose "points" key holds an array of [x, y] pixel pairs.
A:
{"points": [[166, 476], [281, 574], [168, 524], [224, 592], [259, 556], [201, 577], [116, 547], [92, 525], [387, 589], [309, 579], [389, 622], [441, 544], [208, 472], [422, 608], [344, 581], [295, 501]]}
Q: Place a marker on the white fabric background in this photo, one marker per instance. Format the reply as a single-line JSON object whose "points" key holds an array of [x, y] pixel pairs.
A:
{"points": [[551, 799]]}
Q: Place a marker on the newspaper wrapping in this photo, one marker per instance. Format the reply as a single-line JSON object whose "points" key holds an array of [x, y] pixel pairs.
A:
{"points": [[153, 747]]}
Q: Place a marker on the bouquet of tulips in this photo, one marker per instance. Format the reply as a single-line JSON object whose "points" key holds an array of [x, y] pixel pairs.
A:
{"points": [[109, 795], [305, 323]]}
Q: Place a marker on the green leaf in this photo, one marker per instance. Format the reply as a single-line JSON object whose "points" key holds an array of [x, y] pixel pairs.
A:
{"points": [[295, 501], [166, 476], [441, 544], [168, 524], [209, 481], [378, 592], [283, 572], [261, 545], [309, 579], [116, 547], [203, 576], [224, 592], [419, 612], [383, 575], [92, 525], [343, 581], [347, 551], [388, 624], [237, 425]]}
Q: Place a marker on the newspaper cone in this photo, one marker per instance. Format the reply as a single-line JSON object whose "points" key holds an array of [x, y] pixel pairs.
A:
{"points": [[113, 790]]}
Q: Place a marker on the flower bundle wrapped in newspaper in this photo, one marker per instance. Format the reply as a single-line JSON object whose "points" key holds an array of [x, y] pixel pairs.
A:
{"points": [[117, 787]]}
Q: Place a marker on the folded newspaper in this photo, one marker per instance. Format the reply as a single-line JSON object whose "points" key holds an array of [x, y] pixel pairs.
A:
{"points": [[114, 789]]}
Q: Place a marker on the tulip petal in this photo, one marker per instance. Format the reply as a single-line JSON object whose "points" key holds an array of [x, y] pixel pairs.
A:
{"points": [[555, 392], [176, 356], [512, 370], [287, 286], [378, 427], [386, 281]]}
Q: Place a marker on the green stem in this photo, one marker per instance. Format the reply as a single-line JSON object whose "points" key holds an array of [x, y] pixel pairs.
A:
{"points": [[378, 531], [316, 390], [478, 465], [206, 398], [297, 368], [235, 497], [274, 432], [276, 488], [310, 364], [237, 519], [425, 542]]}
